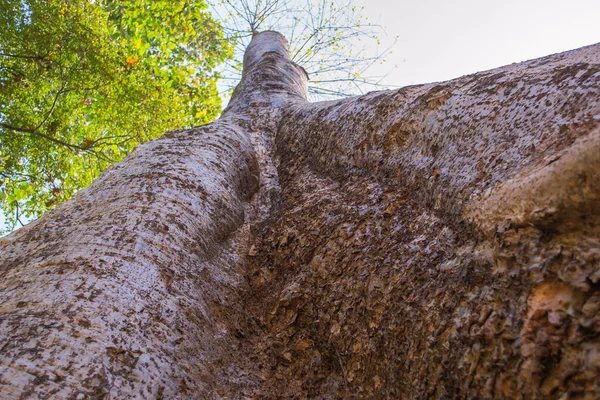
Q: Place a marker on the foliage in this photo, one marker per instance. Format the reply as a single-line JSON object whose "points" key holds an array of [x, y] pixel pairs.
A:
{"points": [[82, 82], [332, 41]]}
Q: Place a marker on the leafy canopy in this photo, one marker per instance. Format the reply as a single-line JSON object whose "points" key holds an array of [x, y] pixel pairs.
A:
{"points": [[82, 82]]}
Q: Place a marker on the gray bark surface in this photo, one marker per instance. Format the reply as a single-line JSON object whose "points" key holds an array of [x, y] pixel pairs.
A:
{"points": [[437, 241]]}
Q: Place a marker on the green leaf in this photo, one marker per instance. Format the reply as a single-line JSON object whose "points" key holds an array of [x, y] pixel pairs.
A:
{"points": [[72, 83]]}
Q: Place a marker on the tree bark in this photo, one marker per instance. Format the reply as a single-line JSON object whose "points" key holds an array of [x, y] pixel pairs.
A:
{"points": [[440, 240]]}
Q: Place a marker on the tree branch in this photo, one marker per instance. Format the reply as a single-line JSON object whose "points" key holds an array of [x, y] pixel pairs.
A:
{"points": [[61, 91], [36, 132]]}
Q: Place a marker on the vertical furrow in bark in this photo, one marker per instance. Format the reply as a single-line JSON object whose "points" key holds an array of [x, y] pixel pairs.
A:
{"points": [[271, 83]]}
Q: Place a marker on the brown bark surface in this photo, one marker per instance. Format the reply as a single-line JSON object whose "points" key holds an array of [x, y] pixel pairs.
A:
{"points": [[437, 241]]}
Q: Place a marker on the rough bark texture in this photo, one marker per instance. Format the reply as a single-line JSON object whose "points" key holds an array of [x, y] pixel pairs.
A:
{"points": [[437, 241]]}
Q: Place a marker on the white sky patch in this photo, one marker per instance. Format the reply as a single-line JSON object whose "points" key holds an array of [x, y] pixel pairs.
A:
{"points": [[440, 40]]}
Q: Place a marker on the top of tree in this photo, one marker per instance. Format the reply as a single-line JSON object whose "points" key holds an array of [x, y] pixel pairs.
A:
{"points": [[332, 41]]}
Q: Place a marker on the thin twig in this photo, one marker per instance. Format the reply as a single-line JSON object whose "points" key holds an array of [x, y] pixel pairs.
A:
{"points": [[17, 214]]}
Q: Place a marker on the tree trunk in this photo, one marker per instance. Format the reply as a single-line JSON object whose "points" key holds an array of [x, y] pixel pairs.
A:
{"points": [[437, 241]]}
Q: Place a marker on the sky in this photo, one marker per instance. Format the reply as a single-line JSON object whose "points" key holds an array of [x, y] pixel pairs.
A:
{"points": [[440, 40]]}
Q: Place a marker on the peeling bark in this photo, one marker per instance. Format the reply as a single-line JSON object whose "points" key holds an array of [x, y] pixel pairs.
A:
{"points": [[440, 241]]}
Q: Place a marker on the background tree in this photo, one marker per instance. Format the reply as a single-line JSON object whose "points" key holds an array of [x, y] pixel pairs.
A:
{"points": [[332, 41], [83, 82]]}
